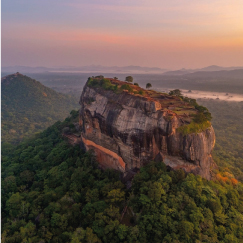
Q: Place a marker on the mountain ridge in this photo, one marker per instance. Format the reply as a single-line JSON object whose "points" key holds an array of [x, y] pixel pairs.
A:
{"points": [[89, 68], [212, 68], [115, 69]]}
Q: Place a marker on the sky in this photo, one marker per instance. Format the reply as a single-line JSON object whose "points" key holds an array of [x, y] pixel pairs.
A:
{"points": [[154, 33]]}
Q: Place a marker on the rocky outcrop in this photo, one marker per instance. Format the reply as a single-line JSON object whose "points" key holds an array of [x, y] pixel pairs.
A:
{"points": [[127, 131]]}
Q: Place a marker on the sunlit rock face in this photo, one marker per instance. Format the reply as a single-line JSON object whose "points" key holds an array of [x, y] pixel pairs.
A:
{"points": [[127, 131]]}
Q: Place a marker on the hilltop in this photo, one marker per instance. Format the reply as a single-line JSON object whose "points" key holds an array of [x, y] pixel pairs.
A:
{"points": [[175, 104], [29, 107]]}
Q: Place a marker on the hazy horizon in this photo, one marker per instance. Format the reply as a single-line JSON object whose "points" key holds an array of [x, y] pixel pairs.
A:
{"points": [[165, 34], [121, 66]]}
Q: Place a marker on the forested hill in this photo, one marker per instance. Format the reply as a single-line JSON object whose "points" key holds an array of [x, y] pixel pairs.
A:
{"points": [[54, 192], [29, 107]]}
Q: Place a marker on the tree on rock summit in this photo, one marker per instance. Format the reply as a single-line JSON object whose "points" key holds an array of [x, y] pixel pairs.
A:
{"points": [[148, 85], [129, 79]]}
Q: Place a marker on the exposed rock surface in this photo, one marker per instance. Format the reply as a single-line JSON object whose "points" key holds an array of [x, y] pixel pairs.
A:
{"points": [[127, 131]]}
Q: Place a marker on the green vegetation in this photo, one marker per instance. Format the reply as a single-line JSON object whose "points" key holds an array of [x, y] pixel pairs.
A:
{"points": [[194, 127], [203, 115], [148, 85], [129, 79], [136, 84], [141, 92], [104, 83], [192, 102], [200, 121], [175, 92], [29, 107], [126, 87], [173, 207], [53, 192], [228, 125], [107, 85]]}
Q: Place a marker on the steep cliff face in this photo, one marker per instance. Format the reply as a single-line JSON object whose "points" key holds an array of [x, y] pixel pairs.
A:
{"points": [[127, 131]]}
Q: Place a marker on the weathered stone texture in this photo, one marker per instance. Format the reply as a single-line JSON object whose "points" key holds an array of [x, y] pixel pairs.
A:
{"points": [[137, 130]]}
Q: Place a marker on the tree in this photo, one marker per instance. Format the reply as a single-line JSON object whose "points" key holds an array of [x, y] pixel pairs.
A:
{"points": [[13, 205], [175, 92], [115, 78], [78, 235], [122, 231], [129, 79], [148, 85], [9, 184], [136, 84], [91, 237], [186, 230], [199, 118], [155, 191], [115, 195], [27, 232]]}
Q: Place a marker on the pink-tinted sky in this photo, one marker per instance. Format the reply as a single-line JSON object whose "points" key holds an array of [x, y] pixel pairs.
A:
{"points": [[167, 34]]}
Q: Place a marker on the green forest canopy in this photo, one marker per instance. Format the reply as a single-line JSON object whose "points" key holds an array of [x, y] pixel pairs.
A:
{"points": [[53, 192], [228, 125]]}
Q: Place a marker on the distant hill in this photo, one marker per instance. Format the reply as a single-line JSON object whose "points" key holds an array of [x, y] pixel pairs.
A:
{"points": [[235, 74], [177, 72], [90, 68], [29, 107], [132, 69], [218, 68], [212, 68]]}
